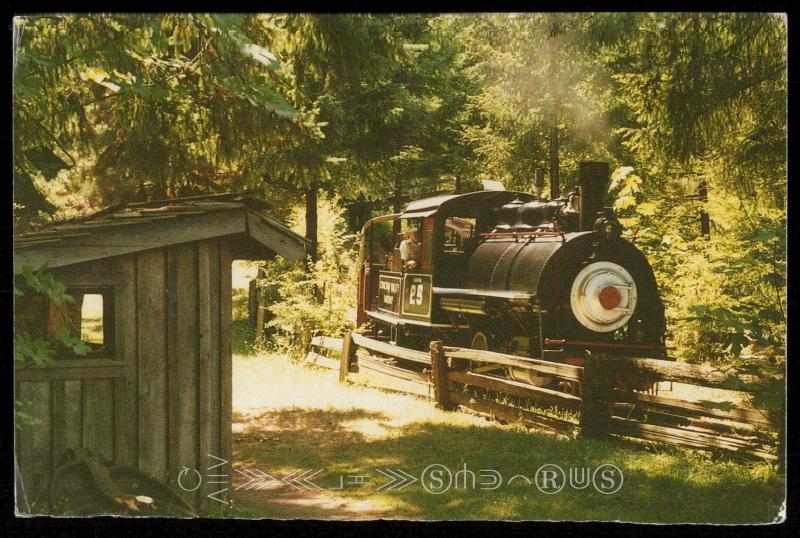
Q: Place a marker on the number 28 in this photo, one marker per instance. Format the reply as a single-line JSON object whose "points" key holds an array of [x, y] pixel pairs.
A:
{"points": [[415, 294]]}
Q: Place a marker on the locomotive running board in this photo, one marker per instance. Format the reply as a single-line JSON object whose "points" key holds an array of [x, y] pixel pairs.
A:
{"points": [[394, 320], [501, 294]]}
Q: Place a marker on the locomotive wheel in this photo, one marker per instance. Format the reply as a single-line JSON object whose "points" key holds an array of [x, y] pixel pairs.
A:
{"points": [[479, 341]]}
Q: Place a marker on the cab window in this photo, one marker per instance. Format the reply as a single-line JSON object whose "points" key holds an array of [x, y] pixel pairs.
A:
{"points": [[379, 242], [424, 228], [458, 238], [458, 232]]}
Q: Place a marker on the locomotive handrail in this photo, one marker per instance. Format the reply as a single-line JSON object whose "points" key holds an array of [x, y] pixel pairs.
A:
{"points": [[563, 371]]}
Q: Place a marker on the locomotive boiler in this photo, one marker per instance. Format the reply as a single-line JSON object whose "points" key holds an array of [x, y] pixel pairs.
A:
{"points": [[515, 273]]}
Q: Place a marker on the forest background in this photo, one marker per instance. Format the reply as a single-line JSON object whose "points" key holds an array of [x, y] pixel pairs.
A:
{"points": [[332, 118]]}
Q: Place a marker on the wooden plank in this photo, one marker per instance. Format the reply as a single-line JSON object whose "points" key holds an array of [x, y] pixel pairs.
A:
{"points": [[508, 386], [441, 380], [125, 342], [692, 374], [347, 351], [656, 416], [390, 377], [393, 351], [321, 360], [33, 243], [83, 371], [226, 377], [73, 414], [172, 361], [691, 409], [152, 354], [89, 279], [204, 299], [280, 241], [99, 224], [688, 438], [562, 371], [216, 363], [130, 239], [33, 443], [121, 404], [98, 425], [182, 357], [374, 364], [60, 425], [512, 414], [328, 342]]}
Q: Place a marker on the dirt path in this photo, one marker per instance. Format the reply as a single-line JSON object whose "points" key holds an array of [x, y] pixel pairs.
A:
{"points": [[289, 419]]}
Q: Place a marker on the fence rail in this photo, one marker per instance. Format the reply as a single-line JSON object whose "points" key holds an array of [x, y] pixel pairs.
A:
{"points": [[597, 404]]}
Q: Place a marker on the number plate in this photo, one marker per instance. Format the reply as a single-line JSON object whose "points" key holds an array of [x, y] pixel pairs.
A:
{"points": [[417, 295]]}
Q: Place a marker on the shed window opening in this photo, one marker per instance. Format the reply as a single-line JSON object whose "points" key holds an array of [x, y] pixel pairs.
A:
{"points": [[89, 317], [92, 319]]}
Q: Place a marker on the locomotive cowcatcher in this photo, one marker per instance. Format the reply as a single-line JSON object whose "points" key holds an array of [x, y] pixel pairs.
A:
{"points": [[515, 273]]}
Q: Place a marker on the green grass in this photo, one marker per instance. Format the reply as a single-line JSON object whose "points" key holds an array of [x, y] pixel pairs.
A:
{"points": [[290, 417], [659, 485]]}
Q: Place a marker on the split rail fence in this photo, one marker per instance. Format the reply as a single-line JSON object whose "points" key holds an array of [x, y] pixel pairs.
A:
{"points": [[596, 405]]}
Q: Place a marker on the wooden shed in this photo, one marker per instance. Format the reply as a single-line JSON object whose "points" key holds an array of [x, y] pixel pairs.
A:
{"points": [[155, 391]]}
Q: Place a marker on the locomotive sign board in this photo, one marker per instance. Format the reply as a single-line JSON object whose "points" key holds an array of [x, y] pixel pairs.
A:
{"points": [[417, 290], [389, 292]]}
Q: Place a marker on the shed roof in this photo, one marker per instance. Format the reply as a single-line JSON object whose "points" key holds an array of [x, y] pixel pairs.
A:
{"points": [[127, 228]]}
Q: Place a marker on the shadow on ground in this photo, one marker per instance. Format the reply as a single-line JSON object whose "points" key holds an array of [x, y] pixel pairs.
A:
{"points": [[660, 484]]}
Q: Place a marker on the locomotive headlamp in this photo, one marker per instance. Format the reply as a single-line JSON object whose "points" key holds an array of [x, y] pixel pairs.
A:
{"points": [[603, 296]]}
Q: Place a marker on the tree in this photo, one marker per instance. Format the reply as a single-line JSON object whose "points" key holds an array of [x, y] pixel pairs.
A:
{"points": [[145, 105], [542, 102]]}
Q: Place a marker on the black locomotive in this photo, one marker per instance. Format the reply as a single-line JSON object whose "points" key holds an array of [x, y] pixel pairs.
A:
{"points": [[515, 273]]}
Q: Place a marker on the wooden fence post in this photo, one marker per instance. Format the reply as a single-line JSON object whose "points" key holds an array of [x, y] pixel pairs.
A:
{"points": [[441, 383], [259, 321], [347, 355], [595, 414]]}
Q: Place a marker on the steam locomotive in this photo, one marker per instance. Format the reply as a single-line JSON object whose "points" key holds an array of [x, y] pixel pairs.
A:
{"points": [[515, 273]]}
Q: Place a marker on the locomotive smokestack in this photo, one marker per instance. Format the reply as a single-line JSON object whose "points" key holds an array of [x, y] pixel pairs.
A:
{"points": [[538, 183], [593, 180]]}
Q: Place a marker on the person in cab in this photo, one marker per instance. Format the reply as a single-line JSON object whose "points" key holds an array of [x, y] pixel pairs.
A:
{"points": [[410, 249]]}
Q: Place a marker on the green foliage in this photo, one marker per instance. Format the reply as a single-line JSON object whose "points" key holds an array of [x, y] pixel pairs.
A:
{"points": [[28, 349], [72, 343], [37, 350], [135, 106], [22, 419], [156, 104], [320, 297], [43, 283]]}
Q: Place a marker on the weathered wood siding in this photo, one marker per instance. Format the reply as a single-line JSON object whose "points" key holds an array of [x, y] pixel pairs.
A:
{"points": [[162, 402]]}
